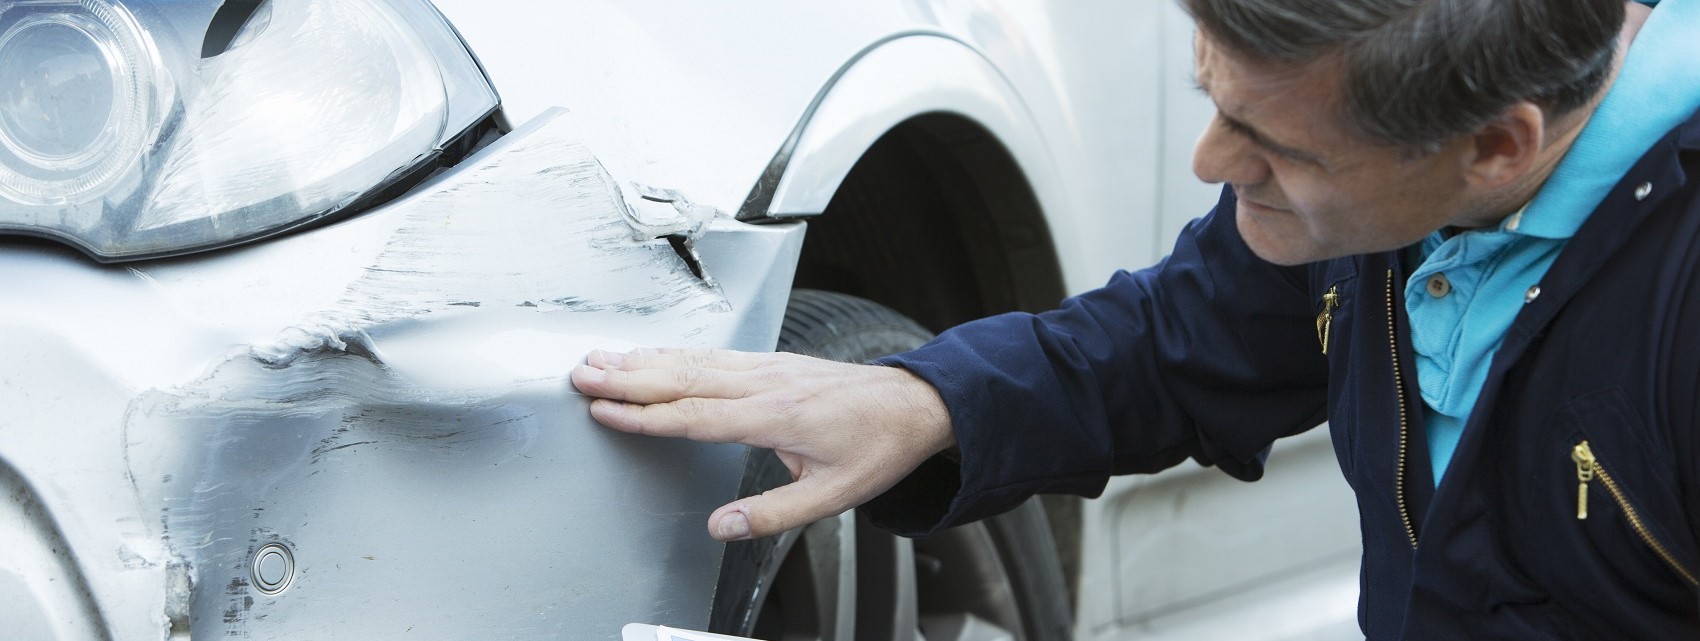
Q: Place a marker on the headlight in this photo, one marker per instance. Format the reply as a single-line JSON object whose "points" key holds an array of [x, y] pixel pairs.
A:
{"points": [[116, 135]]}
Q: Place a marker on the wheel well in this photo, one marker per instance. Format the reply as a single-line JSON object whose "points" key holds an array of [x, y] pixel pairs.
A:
{"points": [[937, 221]]}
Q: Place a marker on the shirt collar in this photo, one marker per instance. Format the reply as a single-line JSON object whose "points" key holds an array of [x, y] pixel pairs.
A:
{"points": [[1657, 89]]}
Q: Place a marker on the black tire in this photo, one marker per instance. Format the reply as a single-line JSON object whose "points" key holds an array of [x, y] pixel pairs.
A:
{"points": [[842, 579]]}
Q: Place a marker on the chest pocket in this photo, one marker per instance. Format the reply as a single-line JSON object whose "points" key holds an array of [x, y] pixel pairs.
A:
{"points": [[1334, 301], [1337, 279], [1589, 468], [1590, 514]]}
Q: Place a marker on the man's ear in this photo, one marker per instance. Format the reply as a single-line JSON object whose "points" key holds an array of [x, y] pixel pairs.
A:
{"points": [[1506, 150]]}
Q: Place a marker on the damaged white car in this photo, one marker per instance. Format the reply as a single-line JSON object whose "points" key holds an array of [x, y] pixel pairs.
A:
{"points": [[289, 290]]}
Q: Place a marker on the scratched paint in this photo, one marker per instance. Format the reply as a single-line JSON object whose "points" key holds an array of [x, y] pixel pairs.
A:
{"points": [[461, 242], [386, 397]]}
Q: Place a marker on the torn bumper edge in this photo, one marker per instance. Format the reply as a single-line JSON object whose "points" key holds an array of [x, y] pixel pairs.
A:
{"points": [[387, 396]]}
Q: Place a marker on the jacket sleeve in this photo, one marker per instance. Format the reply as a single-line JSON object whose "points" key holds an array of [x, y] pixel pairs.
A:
{"points": [[1211, 354]]}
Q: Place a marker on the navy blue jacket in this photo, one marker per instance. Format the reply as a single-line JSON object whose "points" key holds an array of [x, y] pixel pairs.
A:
{"points": [[1213, 354]]}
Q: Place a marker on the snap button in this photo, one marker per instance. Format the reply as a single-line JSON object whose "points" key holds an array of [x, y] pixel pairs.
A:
{"points": [[1438, 286], [1643, 190], [1533, 293]]}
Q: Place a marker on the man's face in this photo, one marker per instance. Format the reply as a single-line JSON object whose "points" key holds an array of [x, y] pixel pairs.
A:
{"points": [[1310, 188]]}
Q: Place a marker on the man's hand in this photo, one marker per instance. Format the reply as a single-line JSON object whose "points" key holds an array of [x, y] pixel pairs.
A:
{"points": [[847, 432]]}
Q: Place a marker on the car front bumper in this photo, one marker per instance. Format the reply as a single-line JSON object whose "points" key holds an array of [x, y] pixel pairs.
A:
{"points": [[386, 398]]}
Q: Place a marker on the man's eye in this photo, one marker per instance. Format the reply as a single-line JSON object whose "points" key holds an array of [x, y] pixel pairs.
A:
{"points": [[1240, 129]]}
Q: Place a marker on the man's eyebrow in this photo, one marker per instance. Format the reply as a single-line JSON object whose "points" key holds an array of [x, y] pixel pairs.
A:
{"points": [[1258, 137]]}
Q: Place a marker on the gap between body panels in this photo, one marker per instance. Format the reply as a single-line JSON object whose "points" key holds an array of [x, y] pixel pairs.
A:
{"points": [[682, 246], [666, 214]]}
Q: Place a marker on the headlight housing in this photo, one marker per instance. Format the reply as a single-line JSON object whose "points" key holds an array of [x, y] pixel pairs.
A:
{"points": [[118, 136]]}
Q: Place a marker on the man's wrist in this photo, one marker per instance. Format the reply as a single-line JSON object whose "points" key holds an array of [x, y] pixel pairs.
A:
{"points": [[936, 433]]}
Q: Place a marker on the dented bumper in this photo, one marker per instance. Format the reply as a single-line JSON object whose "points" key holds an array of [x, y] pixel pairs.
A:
{"points": [[385, 399]]}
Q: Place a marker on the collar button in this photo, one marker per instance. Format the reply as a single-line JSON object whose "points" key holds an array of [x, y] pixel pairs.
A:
{"points": [[1438, 286]]}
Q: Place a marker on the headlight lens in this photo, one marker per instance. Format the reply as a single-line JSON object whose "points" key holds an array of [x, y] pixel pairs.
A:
{"points": [[117, 136], [74, 89]]}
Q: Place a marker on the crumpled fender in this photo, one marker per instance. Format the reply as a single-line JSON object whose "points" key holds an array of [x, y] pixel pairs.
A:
{"points": [[387, 398]]}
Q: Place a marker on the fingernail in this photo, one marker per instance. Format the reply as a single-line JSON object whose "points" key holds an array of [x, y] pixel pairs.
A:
{"points": [[593, 375], [612, 359], [734, 526], [605, 408]]}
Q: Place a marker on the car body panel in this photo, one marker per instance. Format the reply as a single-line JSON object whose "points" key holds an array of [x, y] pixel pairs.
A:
{"points": [[1194, 555], [705, 98], [894, 81], [386, 397]]}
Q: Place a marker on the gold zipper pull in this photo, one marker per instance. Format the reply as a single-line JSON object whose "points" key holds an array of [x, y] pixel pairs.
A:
{"points": [[1585, 466], [1325, 320]]}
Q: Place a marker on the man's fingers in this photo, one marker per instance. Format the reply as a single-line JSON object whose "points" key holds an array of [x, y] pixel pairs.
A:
{"points": [[659, 385], [709, 420], [661, 358], [777, 510], [833, 423]]}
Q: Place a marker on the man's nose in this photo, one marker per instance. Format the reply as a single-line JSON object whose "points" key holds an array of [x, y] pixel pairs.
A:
{"points": [[1222, 156]]}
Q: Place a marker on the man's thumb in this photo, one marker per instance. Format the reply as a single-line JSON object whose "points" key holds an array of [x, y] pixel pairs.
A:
{"points": [[777, 510]]}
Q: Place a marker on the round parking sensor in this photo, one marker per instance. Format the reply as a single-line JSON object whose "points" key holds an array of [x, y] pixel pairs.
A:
{"points": [[273, 568]]}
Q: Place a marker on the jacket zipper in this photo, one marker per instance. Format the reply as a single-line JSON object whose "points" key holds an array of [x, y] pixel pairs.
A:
{"points": [[1587, 469], [1325, 320], [1404, 424]]}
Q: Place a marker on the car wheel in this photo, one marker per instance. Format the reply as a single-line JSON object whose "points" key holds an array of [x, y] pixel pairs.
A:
{"points": [[842, 579]]}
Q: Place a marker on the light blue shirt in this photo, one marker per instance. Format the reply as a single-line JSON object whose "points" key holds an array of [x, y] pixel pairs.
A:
{"points": [[1469, 287]]}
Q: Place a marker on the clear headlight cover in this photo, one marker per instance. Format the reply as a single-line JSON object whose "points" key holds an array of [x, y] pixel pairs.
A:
{"points": [[118, 136]]}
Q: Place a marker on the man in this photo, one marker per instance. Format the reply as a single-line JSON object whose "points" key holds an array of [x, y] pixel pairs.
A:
{"points": [[1448, 230]]}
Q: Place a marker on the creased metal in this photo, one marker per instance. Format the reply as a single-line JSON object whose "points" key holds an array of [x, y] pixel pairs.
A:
{"points": [[387, 398]]}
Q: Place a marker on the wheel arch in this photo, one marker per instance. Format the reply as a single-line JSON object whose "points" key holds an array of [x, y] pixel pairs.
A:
{"points": [[937, 221], [920, 155]]}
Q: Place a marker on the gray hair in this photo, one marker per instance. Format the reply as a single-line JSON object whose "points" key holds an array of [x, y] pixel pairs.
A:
{"points": [[1416, 73]]}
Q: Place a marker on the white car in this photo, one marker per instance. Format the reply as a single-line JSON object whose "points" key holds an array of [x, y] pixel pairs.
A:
{"points": [[289, 289]]}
